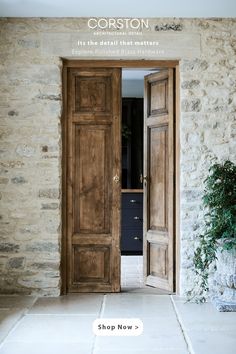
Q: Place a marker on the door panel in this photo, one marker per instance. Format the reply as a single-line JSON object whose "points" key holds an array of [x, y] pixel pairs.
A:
{"points": [[92, 173], [158, 169], [92, 94], [93, 196], [159, 182], [91, 264]]}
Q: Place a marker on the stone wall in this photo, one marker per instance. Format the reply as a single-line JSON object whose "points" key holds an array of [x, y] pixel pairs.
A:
{"points": [[30, 167]]}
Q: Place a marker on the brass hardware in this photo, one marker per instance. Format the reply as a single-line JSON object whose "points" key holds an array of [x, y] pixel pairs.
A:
{"points": [[137, 238], [143, 179], [116, 179]]}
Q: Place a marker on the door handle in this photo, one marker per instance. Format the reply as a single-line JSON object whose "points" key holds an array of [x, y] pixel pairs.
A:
{"points": [[136, 218], [137, 238], [116, 179], [143, 179]]}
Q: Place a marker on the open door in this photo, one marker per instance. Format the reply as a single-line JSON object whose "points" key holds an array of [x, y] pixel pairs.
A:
{"points": [[93, 179], [159, 180]]}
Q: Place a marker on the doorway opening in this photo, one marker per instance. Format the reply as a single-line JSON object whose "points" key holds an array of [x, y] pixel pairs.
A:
{"points": [[132, 131], [120, 172], [132, 175]]}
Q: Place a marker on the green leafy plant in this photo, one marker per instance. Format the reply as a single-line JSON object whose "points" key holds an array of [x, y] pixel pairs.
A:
{"points": [[219, 200]]}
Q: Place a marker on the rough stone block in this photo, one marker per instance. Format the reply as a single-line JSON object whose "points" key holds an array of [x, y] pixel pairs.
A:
{"points": [[49, 97], [9, 247], [50, 206], [18, 180], [28, 43], [42, 247], [16, 262], [190, 84], [193, 105], [50, 193], [13, 113], [195, 65], [45, 265], [169, 27]]}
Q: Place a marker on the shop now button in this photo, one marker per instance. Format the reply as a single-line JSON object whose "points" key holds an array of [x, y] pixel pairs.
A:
{"points": [[117, 327]]}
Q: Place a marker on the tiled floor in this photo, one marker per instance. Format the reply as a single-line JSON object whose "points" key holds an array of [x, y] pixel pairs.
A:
{"points": [[207, 330], [64, 325], [131, 272]]}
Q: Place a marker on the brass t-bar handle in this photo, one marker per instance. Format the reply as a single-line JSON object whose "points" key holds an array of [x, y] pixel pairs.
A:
{"points": [[142, 178]]}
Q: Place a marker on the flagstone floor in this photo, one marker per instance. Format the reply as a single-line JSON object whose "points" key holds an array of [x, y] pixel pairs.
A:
{"points": [[64, 325]]}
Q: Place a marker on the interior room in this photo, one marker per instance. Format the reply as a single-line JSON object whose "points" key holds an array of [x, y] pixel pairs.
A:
{"points": [[132, 178]]}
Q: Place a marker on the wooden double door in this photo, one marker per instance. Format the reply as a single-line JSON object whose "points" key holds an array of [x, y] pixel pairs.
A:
{"points": [[92, 200]]}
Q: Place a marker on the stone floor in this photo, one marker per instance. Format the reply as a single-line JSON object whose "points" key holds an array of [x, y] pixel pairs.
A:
{"points": [[131, 272], [64, 325]]}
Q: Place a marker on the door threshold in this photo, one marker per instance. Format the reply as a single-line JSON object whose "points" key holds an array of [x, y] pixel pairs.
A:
{"points": [[145, 290]]}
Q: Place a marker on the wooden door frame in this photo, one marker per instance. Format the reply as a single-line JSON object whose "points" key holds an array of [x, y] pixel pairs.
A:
{"points": [[132, 64]]}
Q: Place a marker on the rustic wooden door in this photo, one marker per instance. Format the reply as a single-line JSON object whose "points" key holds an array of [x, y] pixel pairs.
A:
{"points": [[159, 196], [93, 180]]}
